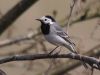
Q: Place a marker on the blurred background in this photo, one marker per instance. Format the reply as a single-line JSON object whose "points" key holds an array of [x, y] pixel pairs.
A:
{"points": [[84, 30]]}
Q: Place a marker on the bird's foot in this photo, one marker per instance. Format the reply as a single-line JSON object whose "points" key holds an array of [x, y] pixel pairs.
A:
{"points": [[57, 52]]}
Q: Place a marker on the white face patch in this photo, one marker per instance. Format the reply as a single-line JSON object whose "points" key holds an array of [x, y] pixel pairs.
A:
{"points": [[46, 20]]}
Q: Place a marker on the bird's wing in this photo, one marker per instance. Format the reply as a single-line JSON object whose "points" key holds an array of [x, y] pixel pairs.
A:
{"points": [[61, 33]]}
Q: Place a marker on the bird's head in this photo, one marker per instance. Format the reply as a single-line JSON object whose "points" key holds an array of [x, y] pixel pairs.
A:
{"points": [[46, 20]]}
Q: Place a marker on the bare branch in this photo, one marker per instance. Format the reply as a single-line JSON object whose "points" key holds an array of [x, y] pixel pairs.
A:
{"points": [[62, 69], [18, 39], [94, 31], [93, 62], [69, 17], [14, 13]]}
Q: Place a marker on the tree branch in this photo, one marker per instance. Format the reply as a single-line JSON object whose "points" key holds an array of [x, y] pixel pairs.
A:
{"points": [[93, 62], [14, 13], [18, 39], [70, 14], [62, 69]]}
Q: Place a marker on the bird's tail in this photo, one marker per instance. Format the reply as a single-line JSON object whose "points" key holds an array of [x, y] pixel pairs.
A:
{"points": [[72, 49]]}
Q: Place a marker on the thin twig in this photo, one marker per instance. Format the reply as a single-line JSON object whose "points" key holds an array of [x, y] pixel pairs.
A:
{"points": [[50, 66], [94, 31], [18, 39], [69, 17]]}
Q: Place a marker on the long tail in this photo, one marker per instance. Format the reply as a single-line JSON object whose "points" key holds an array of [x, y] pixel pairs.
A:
{"points": [[72, 49]]}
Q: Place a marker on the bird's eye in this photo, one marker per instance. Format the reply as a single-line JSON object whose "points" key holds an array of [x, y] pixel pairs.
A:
{"points": [[45, 19]]}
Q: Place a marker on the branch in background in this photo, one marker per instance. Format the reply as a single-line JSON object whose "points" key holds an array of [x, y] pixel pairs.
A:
{"points": [[18, 39], [94, 31], [84, 17], [2, 72], [93, 62], [24, 50], [14, 13], [69, 17]]}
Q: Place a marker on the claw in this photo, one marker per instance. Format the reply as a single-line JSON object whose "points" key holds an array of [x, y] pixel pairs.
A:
{"points": [[57, 52]]}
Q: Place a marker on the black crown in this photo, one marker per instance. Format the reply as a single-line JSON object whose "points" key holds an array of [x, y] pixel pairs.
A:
{"points": [[50, 18]]}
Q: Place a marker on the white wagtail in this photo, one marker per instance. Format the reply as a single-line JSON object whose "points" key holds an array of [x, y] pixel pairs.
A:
{"points": [[54, 34]]}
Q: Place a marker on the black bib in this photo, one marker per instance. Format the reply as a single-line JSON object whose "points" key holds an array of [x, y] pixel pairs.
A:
{"points": [[45, 28]]}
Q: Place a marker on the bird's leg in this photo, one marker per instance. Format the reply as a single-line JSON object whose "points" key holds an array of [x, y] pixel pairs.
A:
{"points": [[59, 50], [53, 50], [92, 70]]}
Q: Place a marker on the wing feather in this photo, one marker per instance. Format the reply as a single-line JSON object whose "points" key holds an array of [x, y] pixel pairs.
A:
{"points": [[61, 33]]}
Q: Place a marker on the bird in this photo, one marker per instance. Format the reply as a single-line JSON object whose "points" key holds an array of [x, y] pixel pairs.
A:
{"points": [[54, 34]]}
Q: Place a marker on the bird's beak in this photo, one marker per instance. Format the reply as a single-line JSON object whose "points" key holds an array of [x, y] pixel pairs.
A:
{"points": [[38, 19]]}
